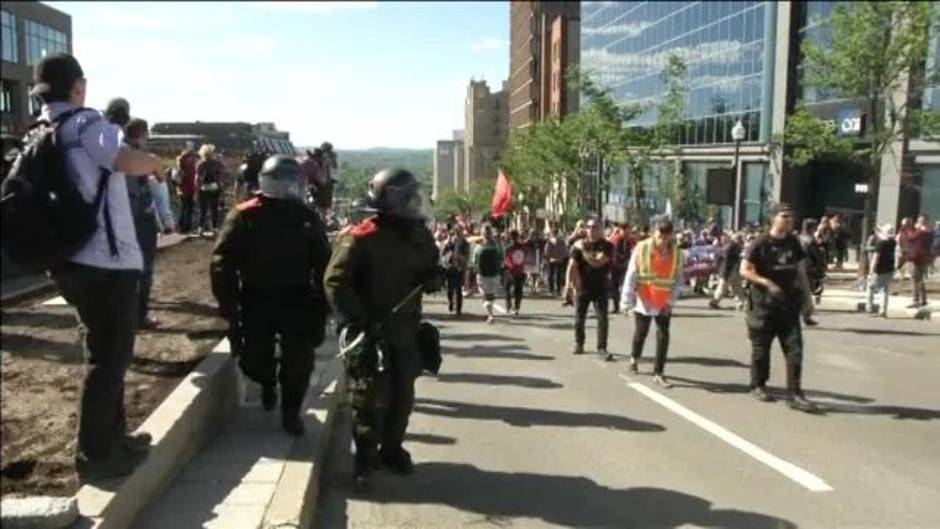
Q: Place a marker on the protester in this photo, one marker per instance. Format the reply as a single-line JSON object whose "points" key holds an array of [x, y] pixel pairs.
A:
{"points": [[209, 174], [489, 260], [650, 290], [840, 240], [881, 270], [592, 259], [118, 112], [729, 273], [145, 221], [775, 267], [815, 266], [903, 239], [101, 279], [160, 190], [456, 254], [556, 254], [920, 246], [514, 263], [186, 187], [620, 239]]}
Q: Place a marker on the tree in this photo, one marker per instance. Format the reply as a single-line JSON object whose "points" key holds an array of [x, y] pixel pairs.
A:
{"points": [[875, 51]]}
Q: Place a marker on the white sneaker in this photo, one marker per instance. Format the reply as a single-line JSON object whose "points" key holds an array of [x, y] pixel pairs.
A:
{"points": [[662, 381], [515, 312], [489, 320]]}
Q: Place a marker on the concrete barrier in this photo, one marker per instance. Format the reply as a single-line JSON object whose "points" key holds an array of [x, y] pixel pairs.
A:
{"points": [[180, 426]]}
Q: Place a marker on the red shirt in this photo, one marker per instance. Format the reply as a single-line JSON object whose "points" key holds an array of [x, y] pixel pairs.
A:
{"points": [[920, 241], [514, 261], [188, 179]]}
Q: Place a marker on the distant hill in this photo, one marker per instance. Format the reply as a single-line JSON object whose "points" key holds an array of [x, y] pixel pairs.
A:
{"points": [[356, 167]]}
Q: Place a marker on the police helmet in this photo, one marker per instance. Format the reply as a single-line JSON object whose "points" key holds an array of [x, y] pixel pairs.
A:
{"points": [[396, 193], [282, 178]]}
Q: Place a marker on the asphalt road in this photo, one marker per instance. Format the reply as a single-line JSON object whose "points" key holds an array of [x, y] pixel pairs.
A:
{"points": [[518, 432]]}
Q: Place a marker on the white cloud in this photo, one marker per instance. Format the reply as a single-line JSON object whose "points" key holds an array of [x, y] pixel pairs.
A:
{"points": [[489, 44], [630, 29], [253, 44]]}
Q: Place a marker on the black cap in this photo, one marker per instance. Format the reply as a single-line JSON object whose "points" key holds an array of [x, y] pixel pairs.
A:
{"points": [[118, 111], [55, 74]]}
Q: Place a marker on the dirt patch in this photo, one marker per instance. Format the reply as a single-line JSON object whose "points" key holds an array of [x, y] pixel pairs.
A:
{"points": [[42, 369]]}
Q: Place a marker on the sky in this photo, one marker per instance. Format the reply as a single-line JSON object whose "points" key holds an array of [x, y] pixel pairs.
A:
{"points": [[357, 74]]}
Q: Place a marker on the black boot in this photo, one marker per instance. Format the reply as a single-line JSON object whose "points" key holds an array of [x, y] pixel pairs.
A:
{"points": [[398, 460], [268, 396], [365, 463], [290, 420]]}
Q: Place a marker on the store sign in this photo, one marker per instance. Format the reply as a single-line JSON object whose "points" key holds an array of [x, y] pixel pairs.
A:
{"points": [[849, 122]]}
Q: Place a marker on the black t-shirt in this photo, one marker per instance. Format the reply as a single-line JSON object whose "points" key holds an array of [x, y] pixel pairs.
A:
{"points": [[777, 260], [594, 281], [456, 253], [885, 250]]}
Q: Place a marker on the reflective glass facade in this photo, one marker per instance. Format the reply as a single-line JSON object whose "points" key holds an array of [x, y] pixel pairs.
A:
{"points": [[624, 46], [8, 34], [41, 40]]}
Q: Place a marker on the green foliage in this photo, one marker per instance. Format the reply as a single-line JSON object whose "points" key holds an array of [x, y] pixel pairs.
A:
{"points": [[473, 204], [811, 137]]}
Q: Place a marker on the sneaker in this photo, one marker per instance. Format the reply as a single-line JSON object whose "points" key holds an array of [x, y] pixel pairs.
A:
{"points": [[810, 322], [608, 357], [515, 312], [634, 368], [713, 304], [138, 443], [913, 306], [760, 393], [798, 402], [662, 381], [397, 460], [489, 320], [292, 424], [149, 323], [121, 463], [268, 396], [578, 350]]}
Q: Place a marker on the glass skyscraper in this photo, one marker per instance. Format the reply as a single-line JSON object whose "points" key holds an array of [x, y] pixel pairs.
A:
{"points": [[625, 45]]}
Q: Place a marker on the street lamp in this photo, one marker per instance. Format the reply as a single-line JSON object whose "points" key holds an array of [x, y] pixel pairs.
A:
{"points": [[737, 134]]}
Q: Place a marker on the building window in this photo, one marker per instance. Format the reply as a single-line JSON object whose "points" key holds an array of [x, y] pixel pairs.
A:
{"points": [[41, 41], [8, 22], [758, 188], [6, 98]]}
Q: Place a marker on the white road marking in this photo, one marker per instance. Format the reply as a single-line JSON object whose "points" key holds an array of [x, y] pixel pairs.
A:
{"points": [[797, 474], [57, 301]]}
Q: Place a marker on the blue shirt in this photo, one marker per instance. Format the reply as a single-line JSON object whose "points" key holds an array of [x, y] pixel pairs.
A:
{"points": [[92, 143]]}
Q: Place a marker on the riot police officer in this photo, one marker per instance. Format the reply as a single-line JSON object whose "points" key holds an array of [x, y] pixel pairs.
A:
{"points": [[267, 274], [374, 280]]}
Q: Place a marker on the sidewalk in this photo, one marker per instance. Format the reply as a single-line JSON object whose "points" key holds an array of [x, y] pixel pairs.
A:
{"points": [[843, 299], [231, 483]]}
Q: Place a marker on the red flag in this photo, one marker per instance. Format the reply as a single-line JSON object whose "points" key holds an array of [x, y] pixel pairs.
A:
{"points": [[502, 195]]}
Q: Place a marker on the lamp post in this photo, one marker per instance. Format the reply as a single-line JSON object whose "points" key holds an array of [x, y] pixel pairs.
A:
{"points": [[737, 134]]}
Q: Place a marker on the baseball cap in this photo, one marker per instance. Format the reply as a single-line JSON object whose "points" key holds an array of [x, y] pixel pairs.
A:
{"points": [[55, 74]]}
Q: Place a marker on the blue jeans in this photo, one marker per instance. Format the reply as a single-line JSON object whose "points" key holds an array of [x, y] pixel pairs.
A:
{"points": [[879, 282]]}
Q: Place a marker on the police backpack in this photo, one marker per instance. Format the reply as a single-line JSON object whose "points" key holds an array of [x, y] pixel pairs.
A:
{"points": [[44, 219]]}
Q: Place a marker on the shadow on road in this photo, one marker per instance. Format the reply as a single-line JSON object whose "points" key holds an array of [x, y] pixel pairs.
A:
{"points": [[532, 416], [708, 361], [733, 387], [498, 380], [430, 438], [481, 337], [566, 501], [874, 332], [34, 347], [188, 307], [510, 353], [46, 319]]}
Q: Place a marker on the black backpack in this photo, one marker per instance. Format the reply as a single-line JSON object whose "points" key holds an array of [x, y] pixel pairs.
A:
{"points": [[44, 219]]}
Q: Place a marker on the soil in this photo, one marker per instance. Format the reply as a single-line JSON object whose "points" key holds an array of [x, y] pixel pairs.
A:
{"points": [[42, 369]]}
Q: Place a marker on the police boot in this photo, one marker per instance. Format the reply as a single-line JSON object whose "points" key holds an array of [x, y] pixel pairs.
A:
{"points": [[268, 396], [796, 399], [397, 459], [290, 420], [365, 463]]}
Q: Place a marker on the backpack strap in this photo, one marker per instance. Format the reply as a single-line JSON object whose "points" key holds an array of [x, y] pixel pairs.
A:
{"points": [[101, 196]]}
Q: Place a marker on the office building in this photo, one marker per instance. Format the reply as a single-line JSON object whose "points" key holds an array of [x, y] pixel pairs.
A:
{"points": [[744, 66], [485, 135], [29, 32], [544, 44], [448, 167]]}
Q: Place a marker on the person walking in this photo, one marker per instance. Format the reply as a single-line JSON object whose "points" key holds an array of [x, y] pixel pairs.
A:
{"points": [[514, 263], [775, 267], [489, 262], [100, 280], [920, 244], [456, 254], [267, 272], [620, 239], [374, 281], [650, 290], [556, 254], [729, 273], [881, 270], [592, 259], [186, 188], [209, 175]]}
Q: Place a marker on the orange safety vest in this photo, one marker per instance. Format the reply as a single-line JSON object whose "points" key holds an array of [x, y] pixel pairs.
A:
{"points": [[656, 273]]}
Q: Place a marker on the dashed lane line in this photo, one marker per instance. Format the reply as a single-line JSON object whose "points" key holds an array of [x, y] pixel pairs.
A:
{"points": [[806, 479]]}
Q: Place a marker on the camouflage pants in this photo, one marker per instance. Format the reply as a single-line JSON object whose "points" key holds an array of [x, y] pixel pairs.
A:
{"points": [[381, 403]]}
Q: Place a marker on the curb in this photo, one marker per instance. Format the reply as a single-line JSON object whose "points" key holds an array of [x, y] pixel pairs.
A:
{"points": [[179, 426], [294, 503], [895, 309]]}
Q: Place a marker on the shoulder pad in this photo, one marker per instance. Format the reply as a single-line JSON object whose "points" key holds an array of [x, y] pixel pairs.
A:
{"points": [[364, 229], [251, 203]]}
